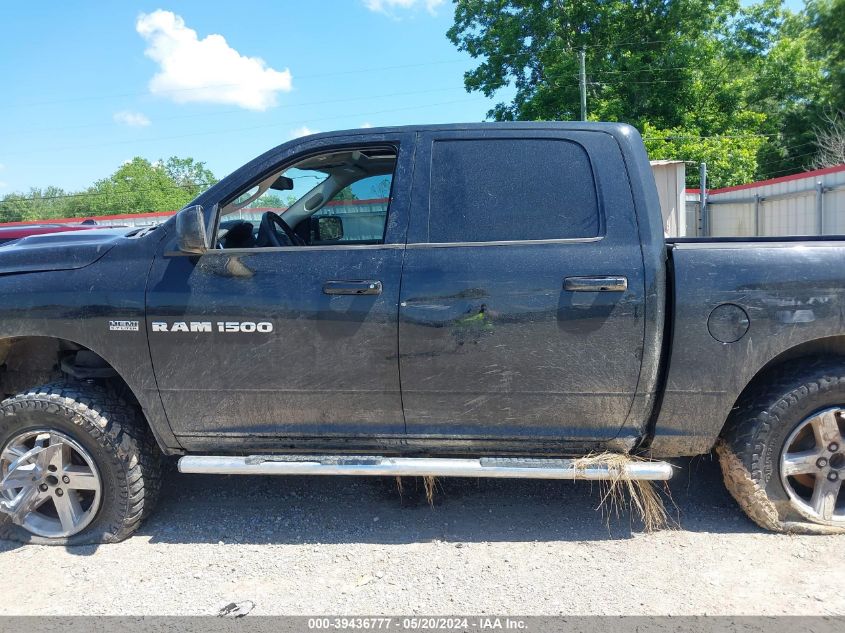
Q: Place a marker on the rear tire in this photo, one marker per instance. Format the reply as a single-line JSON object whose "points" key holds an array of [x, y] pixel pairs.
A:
{"points": [[102, 438], [776, 455]]}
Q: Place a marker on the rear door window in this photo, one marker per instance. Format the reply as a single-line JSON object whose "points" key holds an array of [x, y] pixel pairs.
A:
{"points": [[490, 190]]}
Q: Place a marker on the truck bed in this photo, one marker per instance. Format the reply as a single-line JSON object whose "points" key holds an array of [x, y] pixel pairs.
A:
{"points": [[776, 297]]}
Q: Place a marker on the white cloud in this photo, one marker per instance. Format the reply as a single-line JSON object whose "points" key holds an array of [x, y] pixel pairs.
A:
{"points": [[389, 6], [366, 124], [206, 70], [302, 131], [3, 184], [132, 119]]}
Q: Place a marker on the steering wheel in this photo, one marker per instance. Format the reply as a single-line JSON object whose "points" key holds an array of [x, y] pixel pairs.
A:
{"points": [[268, 235]]}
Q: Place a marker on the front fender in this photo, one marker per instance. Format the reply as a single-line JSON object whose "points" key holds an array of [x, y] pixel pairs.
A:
{"points": [[100, 306]]}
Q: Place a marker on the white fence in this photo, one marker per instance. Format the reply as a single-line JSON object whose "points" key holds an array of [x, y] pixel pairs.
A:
{"points": [[811, 203]]}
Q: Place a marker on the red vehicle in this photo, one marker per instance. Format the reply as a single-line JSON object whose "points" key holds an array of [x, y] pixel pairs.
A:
{"points": [[9, 233]]}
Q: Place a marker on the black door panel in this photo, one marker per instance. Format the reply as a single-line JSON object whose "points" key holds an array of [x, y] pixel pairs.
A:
{"points": [[328, 367], [491, 342]]}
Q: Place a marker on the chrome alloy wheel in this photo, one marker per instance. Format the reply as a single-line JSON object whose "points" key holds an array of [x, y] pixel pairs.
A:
{"points": [[49, 484], [812, 467]]}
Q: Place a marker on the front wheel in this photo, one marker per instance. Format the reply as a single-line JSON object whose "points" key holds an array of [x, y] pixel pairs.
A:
{"points": [[783, 453], [77, 466]]}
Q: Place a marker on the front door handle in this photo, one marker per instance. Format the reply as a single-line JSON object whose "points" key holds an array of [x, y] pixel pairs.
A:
{"points": [[352, 288], [595, 284]]}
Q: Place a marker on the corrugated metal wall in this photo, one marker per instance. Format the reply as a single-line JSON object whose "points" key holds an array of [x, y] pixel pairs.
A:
{"points": [[803, 204]]}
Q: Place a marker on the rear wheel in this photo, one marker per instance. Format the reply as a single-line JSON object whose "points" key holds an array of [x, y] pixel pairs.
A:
{"points": [[77, 465], [783, 452]]}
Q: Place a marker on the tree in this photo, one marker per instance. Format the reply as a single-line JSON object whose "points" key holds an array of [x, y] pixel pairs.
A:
{"points": [[789, 87], [36, 204], [651, 60], [730, 158], [190, 175], [137, 186], [345, 194], [272, 201], [830, 141], [733, 81], [826, 20]]}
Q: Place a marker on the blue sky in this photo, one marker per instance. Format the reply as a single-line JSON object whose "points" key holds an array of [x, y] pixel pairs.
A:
{"points": [[89, 85], [82, 96]]}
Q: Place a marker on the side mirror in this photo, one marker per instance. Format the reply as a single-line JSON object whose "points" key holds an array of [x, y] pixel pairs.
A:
{"points": [[327, 228], [190, 230]]}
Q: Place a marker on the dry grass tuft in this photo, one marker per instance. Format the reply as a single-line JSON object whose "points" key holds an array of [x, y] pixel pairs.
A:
{"points": [[620, 494], [430, 483]]}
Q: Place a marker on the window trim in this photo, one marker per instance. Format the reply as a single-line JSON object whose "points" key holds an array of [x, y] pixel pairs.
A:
{"points": [[553, 240], [599, 215], [297, 249]]}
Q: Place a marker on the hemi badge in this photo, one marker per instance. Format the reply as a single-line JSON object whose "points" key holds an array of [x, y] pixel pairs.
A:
{"points": [[123, 326]]}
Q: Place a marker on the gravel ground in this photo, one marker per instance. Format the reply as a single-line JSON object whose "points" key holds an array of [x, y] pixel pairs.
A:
{"points": [[350, 546]]}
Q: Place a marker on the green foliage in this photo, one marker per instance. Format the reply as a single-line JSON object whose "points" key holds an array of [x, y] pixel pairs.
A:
{"points": [[653, 60], [272, 201], [345, 194], [137, 186], [738, 87], [730, 159], [826, 19]]}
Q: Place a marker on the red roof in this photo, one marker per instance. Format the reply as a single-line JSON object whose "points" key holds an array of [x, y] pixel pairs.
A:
{"points": [[121, 216], [773, 181], [159, 214]]}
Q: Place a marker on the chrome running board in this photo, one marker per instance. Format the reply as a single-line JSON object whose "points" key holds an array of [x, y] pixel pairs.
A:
{"points": [[499, 467]]}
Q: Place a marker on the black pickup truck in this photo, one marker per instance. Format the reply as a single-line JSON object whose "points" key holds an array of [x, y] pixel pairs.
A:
{"points": [[483, 300]]}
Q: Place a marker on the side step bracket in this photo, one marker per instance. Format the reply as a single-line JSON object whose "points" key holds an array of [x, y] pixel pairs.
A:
{"points": [[498, 467]]}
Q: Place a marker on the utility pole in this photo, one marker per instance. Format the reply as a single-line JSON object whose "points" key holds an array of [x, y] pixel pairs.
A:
{"points": [[705, 212], [582, 81]]}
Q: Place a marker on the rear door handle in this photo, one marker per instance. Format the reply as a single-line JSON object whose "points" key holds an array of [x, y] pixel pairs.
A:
{"points": [[595, 284], [352, 288]]}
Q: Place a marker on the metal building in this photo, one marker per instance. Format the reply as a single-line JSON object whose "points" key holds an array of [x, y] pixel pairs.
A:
{"points": [[809, 203]]}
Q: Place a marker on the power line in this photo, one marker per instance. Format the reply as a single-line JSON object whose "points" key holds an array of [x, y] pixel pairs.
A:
{"points": [[94, 194], [644, 70], [785, 158], [229, 85], [606, 46], [772, 174], [671, 136], [623, 44], [169, 187], [240, 110], [628, 82], [242, 129], [208, 184]]}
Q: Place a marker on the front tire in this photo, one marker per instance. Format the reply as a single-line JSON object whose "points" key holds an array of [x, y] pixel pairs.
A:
{"points": [[77, 466], [783, 451]]}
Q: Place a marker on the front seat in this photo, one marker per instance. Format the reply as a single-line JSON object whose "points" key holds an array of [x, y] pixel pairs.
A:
{"points": [[240, 236]]}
